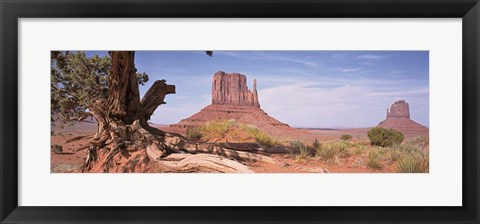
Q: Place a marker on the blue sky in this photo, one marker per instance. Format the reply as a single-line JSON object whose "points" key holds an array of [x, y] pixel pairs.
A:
{"points": [[327, 89]]}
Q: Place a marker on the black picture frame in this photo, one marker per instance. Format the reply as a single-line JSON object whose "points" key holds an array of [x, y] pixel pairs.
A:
{"points": [[11, 11]]}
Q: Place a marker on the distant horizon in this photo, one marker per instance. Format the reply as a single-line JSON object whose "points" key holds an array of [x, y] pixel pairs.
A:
{"points": [[304, 89], [303, 127]]}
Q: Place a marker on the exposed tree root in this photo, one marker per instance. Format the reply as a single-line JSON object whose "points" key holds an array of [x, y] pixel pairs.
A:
{"points": [[78, 138], [134, 149], [179, 143], [253, 147], [229, 153], [187, 163]]}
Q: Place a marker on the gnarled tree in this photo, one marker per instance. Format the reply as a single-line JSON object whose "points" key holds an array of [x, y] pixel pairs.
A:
{"points": [[124, 142]]}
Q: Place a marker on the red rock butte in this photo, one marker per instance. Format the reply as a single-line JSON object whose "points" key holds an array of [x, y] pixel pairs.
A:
{"points": [[231, 99], [231, 89], [398, 117]]}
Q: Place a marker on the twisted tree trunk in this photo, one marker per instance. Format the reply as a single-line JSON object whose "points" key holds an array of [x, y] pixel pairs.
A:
{"points": [[124, 142]]}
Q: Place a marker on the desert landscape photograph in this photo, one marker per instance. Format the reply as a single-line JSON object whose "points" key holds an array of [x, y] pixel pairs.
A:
{"points": [[239, 111]]}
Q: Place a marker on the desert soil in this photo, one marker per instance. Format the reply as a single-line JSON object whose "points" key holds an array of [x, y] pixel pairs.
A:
{"points": [[69, 161]]}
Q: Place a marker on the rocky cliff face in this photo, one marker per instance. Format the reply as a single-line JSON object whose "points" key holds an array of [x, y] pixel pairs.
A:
{"points": [[398, 117], [231, 89], [399, 109]]}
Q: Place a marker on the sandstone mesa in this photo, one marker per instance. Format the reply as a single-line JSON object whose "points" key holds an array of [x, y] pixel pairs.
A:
{"points": [[231, 99], [398, 117]]}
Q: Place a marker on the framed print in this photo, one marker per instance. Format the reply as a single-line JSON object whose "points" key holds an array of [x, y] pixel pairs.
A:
{"points": [[249, 112]]}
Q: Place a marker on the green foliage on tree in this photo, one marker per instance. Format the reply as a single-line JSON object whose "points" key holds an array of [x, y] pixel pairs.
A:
{"points": [[384, 137], [77, 81]]}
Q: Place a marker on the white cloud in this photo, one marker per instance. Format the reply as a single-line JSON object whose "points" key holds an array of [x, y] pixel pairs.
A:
{"points": [[404, 93], [346, 69], [395, 74], [370, 59], [268, 56], [371, 56], [305, 105]]}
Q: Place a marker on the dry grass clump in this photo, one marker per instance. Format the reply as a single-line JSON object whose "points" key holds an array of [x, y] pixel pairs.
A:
{"points": [[357, 149], [333, 151], [216, 128], [373, 160], [409, 157], [230, 128], [260, 137], [296, 145], [300, 151], [395, 155], [346, 137], [412, 159], [406, 148], [57, 149], [210, 130], [194, 133], [413, 163], [304, 152], [420, 141], [316, 143]]}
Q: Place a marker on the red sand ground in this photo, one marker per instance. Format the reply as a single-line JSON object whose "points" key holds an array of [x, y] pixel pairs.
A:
{"points": [[68, 160]]}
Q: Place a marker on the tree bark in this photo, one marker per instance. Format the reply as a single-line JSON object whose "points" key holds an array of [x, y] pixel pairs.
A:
{"points": [[155, 96], [123, 93]]}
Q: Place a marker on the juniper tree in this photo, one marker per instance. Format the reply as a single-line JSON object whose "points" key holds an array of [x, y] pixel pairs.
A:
{"points": [[107, 88], [77, 81]]}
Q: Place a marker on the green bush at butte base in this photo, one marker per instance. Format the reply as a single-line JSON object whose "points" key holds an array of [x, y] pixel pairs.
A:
{"points": [[384, 137]]}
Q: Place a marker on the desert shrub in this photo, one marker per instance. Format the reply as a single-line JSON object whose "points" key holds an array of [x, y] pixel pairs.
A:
{"points": [[303, 153], [316, 144], [373, 160], [251, 130], [395, 155], [407, 148], [357, 149], [346, 137], [237, 131], [265, 140], [333, 150], [413, 163], [420, 141], [57, 149], [216, 127], [260, 137], [384, 137], [296, 145], [232, 123], [426, 160], [194, 133], [383, 151]]}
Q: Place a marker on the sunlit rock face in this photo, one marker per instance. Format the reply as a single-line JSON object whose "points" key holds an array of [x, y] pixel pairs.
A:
{"points": [[399, 109], [398, 117], [231, 89]]}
